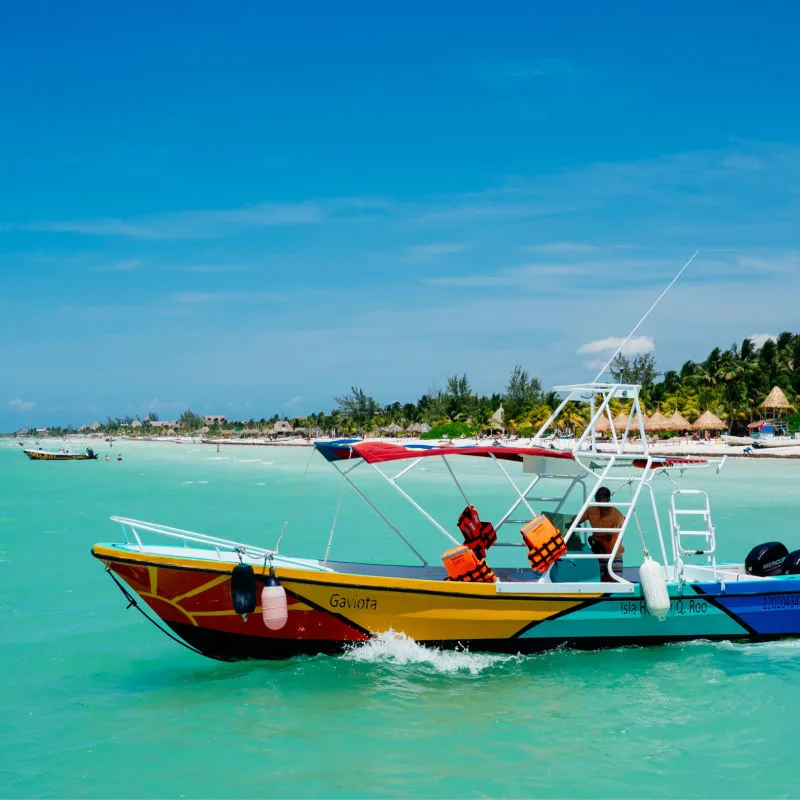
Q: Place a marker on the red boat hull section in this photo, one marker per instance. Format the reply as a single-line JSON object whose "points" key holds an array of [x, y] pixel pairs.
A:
{"points": [[203, 599]]}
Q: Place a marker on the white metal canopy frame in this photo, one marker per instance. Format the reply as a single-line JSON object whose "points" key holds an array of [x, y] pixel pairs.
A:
{"points": [[583, 467], [577, 473]]}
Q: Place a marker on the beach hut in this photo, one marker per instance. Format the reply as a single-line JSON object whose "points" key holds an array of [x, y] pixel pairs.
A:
{"points": [[620, 422], [394, 429], [496, 422], [658, 423], [776, 402], [282, 426], [424, 428], [708, 422], [603, 425], [679, 422]]}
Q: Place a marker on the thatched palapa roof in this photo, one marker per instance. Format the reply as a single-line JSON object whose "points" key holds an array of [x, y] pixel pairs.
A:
{"points": [[709, 422], [679, 422], [776, 401], [620, 422], [603, 425], [658, 422]]}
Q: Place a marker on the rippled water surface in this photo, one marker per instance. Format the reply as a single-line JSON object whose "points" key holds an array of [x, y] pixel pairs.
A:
{"points": [[97, 703]]}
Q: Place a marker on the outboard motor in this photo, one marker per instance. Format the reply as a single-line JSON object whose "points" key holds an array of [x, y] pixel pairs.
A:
{"points": [[90, 452], [766, 559], [791, 564], [244, 590]]}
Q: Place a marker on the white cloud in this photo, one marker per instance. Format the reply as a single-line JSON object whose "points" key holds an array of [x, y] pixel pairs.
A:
{"points": [[224, 297], [119, 266], [562, 248], [759, 339], [435, 249], [638, 344], [207, 223], [19, 405]]}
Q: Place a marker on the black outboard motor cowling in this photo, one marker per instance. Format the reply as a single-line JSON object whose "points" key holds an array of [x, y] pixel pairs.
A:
{"points": [[791, 564], [766, 559]]}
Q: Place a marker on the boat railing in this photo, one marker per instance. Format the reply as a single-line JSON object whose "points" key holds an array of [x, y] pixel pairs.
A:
{"points": [[220, 545]]}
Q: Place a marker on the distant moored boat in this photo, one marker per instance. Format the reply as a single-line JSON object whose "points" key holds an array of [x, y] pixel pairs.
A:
{"points": [[48, 455]]}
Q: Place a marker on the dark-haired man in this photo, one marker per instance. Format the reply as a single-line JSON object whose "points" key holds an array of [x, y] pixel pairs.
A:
{"points": [[605, 516]]}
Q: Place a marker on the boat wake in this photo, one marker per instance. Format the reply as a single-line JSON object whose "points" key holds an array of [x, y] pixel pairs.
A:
{"points": [[392, 647]]}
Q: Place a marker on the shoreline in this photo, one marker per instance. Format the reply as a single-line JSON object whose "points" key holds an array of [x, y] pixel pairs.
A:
{"points": [[712, 449]]}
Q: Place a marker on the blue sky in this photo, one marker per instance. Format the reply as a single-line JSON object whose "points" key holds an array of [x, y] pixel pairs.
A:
{"points": [[245, 210]]}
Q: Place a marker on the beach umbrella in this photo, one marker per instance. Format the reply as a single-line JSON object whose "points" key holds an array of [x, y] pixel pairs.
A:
{"points": [[657, 423], [394, 429], [424, 428], [620, 422], [776, 401], [709, 422], [603, 425], [679, 422], [414, 427]]}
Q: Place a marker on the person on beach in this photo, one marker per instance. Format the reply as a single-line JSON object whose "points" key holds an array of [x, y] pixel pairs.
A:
{"points": [[604, 516]]}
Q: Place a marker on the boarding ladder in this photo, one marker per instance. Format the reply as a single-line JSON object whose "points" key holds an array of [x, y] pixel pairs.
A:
{"points": [[691, 528], [605, 478]]}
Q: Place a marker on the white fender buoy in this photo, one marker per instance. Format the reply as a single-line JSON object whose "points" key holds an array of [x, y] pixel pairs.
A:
{"points": [[654, 588], [274, 611]]}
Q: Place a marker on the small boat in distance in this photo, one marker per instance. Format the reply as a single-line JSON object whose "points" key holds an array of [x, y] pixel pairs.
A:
{"points": [[737, 441], [562, 584], [64, 455]]}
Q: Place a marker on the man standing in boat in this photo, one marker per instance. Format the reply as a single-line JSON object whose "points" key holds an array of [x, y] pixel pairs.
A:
{"points": [[605, 516]]}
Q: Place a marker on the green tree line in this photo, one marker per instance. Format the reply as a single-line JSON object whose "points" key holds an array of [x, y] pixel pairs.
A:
{"points": [[731, 383]]}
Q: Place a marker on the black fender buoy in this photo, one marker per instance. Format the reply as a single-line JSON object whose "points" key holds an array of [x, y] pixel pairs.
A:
{"points": [[244, 589]]}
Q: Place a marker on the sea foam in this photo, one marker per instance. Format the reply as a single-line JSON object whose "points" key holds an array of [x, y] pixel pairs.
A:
{"points": [[393, 647]]}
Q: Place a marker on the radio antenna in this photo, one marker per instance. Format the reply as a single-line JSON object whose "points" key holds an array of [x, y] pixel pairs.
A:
{"points": [[647, 314]]}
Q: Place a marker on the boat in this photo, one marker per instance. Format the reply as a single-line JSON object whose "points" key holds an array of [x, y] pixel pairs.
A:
{"points": [[737, 441], [529, 582], [64, 455], [768, 442]]}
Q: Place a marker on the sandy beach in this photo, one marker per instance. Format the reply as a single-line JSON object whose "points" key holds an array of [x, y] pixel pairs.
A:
{"points": [[682, 446]]}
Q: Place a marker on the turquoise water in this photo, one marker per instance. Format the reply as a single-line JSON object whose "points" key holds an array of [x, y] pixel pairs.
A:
{"points": [[97, 703]]}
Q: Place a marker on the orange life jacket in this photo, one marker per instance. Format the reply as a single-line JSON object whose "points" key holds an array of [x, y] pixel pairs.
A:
{"points": [[462, 564], [478, 536], [544, 541]]}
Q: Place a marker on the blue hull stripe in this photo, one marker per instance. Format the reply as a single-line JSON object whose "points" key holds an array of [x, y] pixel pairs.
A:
{"points": [[765, 607]]}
